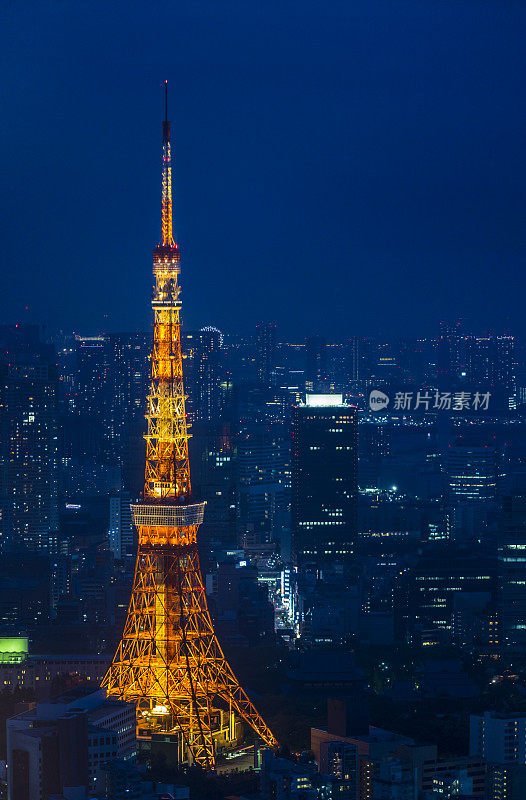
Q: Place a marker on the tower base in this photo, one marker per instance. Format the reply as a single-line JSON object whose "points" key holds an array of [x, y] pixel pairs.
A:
{"points": [[169, 662]]}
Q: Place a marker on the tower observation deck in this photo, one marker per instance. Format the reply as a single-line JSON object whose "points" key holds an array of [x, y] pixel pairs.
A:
{"points": [[169, 661]]}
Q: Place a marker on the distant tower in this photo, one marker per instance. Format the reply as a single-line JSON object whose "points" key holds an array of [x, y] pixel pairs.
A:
{"points": [[169, 661]]}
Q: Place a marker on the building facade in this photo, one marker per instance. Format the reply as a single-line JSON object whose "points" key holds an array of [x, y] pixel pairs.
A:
{"points": [[28, 441], [324, 480]]}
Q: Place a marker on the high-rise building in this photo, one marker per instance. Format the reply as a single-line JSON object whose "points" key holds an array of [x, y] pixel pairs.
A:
{"points": [[120, 531], [85, 429], [353, 359], [504, 368], [387, 365], [103, 421], [324, 479], [110, 381], [316, 377], [28, 441], [90, 381], [450, 351], [203, 366], [512, 571], [472, 470], [266, 350], [373, 446], [441, 577], [366, 353], [213, 461], [492, 362], [263, 468], [337, 368], [126, 374]]}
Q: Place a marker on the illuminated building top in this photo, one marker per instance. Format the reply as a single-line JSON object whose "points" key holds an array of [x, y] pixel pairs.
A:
{"points": [[324, 400]]}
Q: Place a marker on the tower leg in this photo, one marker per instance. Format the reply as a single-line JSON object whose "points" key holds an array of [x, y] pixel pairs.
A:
{"points": [[169, 661], [195, 723]]}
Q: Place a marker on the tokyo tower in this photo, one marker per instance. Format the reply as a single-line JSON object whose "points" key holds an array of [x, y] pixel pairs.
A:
{"points": [[169, 661]]}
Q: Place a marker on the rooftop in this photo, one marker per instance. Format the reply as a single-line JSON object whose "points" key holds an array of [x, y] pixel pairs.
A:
{"points": [[324, 400]]}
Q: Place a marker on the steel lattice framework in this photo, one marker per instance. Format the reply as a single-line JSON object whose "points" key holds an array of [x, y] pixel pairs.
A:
{"points": [[169, 661]]}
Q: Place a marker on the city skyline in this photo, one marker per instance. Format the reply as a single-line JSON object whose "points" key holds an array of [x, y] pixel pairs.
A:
{"points": [[300, 153], [267, 541]]}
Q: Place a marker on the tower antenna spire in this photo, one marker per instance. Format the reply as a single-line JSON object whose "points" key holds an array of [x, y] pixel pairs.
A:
{"points": [[167, 239]]}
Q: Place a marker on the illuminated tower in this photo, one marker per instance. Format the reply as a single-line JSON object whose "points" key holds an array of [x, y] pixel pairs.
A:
{"points": [[169, 661]]}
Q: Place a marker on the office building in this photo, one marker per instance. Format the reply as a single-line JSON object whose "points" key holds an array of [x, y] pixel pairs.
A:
{"points": [[103, 424], [441, 577], [324, 480], [373, 447], [127, 376], [492, 362], [37, 671], [120, 531], [212, 454], [472, 471], [353, 360], [451, 352], [91, 361], [202, 351], [265, 351], [512, 572], [28, 441], [500, 739], [85, 436], [263, 470], [340, 761], [316, 373], [66, 742]]}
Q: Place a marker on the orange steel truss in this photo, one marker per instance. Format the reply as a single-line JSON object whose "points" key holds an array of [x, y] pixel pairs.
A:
{"points": [[169, 661]]}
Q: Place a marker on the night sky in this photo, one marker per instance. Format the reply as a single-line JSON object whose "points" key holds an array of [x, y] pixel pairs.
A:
{"points": [[341, 168]]}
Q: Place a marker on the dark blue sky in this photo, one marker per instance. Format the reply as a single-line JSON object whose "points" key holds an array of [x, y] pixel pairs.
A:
{"points": [[341, 167]]}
